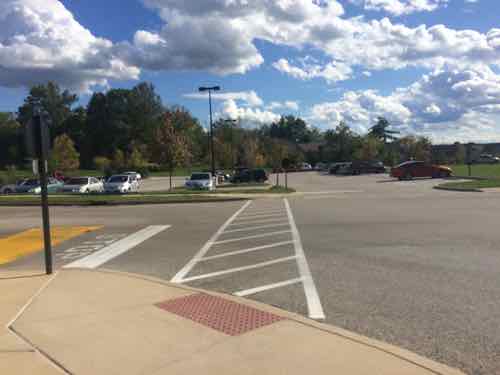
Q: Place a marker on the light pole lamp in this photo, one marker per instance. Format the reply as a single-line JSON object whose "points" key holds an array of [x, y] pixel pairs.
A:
{"points": [[210, 89]]}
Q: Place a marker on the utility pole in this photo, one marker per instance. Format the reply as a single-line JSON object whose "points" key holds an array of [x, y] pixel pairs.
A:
{"points": [[210, 89]]}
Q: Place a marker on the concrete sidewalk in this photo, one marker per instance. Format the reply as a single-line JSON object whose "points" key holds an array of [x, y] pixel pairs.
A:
{"points": [[16, 355], [100, 322]]}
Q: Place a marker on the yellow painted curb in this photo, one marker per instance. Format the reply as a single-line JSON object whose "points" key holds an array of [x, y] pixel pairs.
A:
{"points": [[31, 241]]}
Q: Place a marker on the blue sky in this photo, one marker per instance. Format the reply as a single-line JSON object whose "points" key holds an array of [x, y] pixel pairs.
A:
{"points": [[324, 60]]}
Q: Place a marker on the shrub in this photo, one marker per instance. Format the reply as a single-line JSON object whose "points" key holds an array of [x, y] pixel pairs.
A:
{"points": [[102, 163]]}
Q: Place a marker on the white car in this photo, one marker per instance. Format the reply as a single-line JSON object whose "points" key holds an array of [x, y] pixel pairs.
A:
{"points": [[122, 183], [201, 180], [83, 185], [137, 175]]}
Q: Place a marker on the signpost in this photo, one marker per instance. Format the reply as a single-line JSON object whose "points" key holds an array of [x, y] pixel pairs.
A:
{"points": [[38, 147]]}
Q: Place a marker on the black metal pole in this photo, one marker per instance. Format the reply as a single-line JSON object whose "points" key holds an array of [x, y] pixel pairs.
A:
{"points": [[42, 171], [211, 132]]}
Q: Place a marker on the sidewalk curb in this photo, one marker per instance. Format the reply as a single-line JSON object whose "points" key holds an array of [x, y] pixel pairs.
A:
{"points": [[402, 354]]}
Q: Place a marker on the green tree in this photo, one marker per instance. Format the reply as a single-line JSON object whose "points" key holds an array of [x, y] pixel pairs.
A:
{"points": [[136, 159], [370, 148], [415, 148], [118, 160], [169, 147], [64, 155], [56, 102], [382, 132], [11, 138], [342, 143], [102, 163], [293, 129]]}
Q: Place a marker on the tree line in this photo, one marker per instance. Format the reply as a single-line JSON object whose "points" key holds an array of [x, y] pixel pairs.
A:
{"points": [[132, 128]]}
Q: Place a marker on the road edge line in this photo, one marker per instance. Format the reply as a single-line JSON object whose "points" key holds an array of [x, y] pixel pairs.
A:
{"points": [[314, 306]]}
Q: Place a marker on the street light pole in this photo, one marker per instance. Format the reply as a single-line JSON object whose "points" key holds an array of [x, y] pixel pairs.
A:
{"points": [[210, 89]]}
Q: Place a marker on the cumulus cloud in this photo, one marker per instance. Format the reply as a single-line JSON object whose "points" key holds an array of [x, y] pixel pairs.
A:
{"points": [[247, 115], [222, 37], [401, 7], [286, 105], [332, 72], [444, 105], [40, 40], [249, 98]]}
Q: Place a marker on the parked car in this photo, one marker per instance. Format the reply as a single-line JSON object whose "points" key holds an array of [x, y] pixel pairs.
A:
{"points": [[137, 175], [201, 180], [11, 188], [250, 175], [26, 185], [371, 166], [321, 167], [334, 167], [83, 185], [122, 183], [53, 186], [306, 167], [487, 159], [411, 169]]}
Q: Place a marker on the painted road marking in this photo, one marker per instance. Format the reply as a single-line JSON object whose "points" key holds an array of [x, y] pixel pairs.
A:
{"points": [[239, 223], [263, 288], [253, 215], [118, 248], [255, 228], [88, 247], [178, 278], [254, 236], [31, 241], [313, 302], [238, 269], [249, 250]]}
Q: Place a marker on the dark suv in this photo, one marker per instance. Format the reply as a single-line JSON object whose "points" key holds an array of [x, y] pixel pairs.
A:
{"points": [[250, 175]]}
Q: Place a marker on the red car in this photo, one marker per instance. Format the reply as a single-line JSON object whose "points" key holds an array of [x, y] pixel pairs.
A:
{"points": [[411, 169]]}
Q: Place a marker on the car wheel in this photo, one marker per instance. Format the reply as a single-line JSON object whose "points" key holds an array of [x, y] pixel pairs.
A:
{"points": [[408, 176]]}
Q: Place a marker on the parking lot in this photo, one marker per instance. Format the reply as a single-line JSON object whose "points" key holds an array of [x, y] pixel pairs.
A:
{"points": [[393, 260]]}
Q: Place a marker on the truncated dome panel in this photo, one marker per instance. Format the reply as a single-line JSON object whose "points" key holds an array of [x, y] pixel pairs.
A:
{"points": [[226, 316]]}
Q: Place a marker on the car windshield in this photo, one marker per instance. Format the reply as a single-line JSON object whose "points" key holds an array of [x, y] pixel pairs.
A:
{"points": [[78, 181], [115, 179], [200, 176], [31, 182]]}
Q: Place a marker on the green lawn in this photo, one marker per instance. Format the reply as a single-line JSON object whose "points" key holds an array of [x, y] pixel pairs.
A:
{"points": [[97, 200], [475, 185], [478, 170]]}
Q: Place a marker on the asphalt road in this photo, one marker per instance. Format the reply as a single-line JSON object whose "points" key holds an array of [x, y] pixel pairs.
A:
{"points": [[396, 261]]}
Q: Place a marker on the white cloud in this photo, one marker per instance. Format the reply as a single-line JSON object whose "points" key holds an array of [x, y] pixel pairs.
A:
{"points": [[401, 7], [333, 72], [249, 98], [367, 73], [247, 115], [40, 40], [222, 34], [445, 105], [287, 105]]}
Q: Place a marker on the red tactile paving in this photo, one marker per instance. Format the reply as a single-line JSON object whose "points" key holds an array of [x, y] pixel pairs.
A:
{"points": [[218, 313]]}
